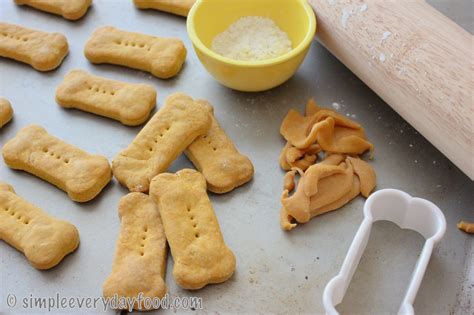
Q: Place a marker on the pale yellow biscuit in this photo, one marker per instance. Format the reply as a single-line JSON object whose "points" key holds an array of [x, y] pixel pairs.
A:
{"points": [[128, 103], [43, 51], [68, 9], [43, 239], [178, 7], [199, 253], [6, 187], [166, 135], [6, 112], [162, 57], [140, 254], [216, 157], [80, 174]]}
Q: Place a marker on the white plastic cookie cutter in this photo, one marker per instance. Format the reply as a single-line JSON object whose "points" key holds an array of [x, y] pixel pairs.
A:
{"points": [[407, 212]]}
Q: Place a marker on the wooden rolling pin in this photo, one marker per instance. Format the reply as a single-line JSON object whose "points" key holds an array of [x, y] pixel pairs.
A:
{"points": [[415, 59]]}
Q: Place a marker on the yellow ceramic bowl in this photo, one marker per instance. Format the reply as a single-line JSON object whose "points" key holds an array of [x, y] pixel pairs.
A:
{"points": [[208, 18]]}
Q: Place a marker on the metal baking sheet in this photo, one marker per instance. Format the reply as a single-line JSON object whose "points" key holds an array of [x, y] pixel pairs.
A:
{"points": [[277, 271]]}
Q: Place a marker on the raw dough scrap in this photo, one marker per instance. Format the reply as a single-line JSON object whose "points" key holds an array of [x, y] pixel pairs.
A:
{"points": [[291, 156], [162, 57], [43, 51], [199, 252], [324, 187], [166, 135], [128, 103], [6, 112], [80, 174], [466, 227], [332, 131], [68, 9], [44, 240], [140, 254], [178, 7]]}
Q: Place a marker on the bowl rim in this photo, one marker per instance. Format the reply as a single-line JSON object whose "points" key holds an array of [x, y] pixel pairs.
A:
{"points": [[190, 26]]}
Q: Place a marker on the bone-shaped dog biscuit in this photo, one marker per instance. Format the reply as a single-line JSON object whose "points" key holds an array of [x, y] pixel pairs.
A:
{"points": [[199, 253], [179, 7], [6, 112], [166, 135], [68, 9], [71, 169], [128, 103], [162, 57], [216, 157], [43, 239], [43, 51], [140, 254]]}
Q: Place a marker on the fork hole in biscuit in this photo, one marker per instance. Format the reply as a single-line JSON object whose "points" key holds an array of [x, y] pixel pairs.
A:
{"points": [[150, 149], [194, 225], [214, 149], [192, 217], [66, 161], [189, 209], [142, 253], [145, 229], [196, 235], [112, 93], [26, 222], [45, 150]]}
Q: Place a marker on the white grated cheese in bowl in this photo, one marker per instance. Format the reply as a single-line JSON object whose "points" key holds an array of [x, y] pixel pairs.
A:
{"points": [[252, 38]]}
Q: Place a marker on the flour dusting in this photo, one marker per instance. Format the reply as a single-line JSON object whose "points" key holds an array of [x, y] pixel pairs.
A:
{"points": [[385, 35]]}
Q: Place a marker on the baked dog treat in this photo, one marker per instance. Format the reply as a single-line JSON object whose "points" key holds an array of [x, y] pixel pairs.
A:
{"points": [[166, 135], [68, 9], [80, 174], [128, 103], [43, 239], [199, 253], [178, 7], [162, 57], [6, 112], [43, 51], [140, 254], [216, 157], [6, 187]]}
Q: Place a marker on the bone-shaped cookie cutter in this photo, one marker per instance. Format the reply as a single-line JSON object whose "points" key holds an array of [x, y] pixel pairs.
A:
{"points": [[407, 212]]}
